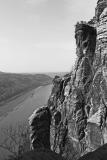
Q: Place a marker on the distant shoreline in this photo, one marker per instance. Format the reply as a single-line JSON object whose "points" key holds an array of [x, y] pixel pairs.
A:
{"points": [[2, 103], [11, 103]]}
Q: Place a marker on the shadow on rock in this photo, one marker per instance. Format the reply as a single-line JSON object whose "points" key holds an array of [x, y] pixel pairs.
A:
{"points": [[99, 154], [39, 123]]}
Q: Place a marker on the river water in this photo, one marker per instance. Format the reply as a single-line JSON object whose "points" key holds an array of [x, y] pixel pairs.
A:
{"points": [[19, 109]]}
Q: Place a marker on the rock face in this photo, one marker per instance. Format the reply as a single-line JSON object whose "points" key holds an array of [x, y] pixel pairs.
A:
{"points": [[81, 96], [39, 123], [101, 4], [99, 154]]}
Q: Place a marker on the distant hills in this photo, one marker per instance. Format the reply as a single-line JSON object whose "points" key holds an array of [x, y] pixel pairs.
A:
{"points": [[12, 85]]}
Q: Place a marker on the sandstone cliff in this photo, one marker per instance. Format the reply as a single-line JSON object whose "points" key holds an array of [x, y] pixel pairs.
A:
{"points": [[74, 122], [78, 101]]}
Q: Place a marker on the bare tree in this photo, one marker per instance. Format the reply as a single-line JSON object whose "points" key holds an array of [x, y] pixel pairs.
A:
{"points": [[15, 139]]}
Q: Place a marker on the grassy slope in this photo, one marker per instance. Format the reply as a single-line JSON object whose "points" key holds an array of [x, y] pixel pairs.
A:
{"points": [[14, 84]]}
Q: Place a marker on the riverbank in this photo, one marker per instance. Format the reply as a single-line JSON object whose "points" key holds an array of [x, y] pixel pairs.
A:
{"points": [[18, 111], [12, 103], [18, 95]]}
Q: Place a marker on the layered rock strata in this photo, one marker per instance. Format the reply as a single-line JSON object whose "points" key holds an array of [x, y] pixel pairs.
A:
{"points": [[71, 129], [81, 96]]}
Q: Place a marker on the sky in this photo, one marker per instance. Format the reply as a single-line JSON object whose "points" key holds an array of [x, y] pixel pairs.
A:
{"points": [[38, 35]]}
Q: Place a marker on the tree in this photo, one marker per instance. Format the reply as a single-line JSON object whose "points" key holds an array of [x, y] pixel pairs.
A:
{"points": [[15, 140]]}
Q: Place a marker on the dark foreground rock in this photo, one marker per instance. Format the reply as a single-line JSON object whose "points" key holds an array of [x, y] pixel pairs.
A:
{"points": [[41, 155], [99, 154], [39, 123]]}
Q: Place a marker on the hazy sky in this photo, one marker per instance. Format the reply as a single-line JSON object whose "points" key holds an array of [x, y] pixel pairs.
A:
{"points": [[38, 35]]}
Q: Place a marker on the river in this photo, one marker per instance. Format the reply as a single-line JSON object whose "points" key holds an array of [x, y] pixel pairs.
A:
{"points": [[19, 109]]}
